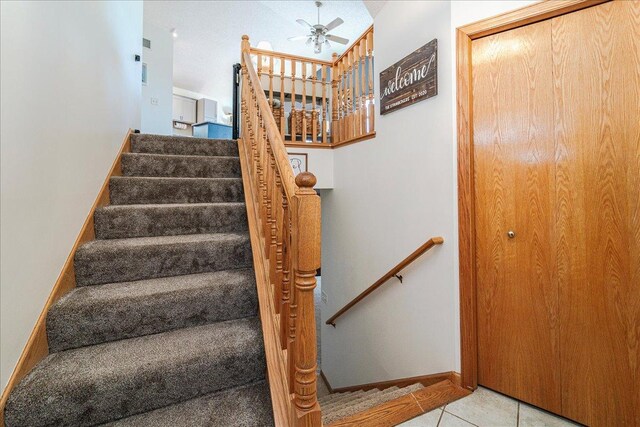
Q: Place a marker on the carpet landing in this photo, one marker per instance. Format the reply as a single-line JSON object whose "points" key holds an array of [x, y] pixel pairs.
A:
{"points": [[162, 328]]}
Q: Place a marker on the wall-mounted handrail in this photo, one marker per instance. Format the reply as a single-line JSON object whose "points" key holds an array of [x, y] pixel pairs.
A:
{"points": [[391, 273]]}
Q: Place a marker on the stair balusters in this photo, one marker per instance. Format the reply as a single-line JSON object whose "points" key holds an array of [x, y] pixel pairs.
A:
{"points": [[287, 224], [326, 103]]}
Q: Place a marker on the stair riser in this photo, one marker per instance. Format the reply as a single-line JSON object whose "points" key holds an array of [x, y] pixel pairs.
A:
{"points": [[117, 222], [179, 166], [120, 264], [95, 391], [180, 146], [132, 191], [82, 319]]}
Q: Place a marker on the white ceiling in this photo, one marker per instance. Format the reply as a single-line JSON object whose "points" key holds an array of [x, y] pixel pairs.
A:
{"points": [[374, 6], [209, 34]]}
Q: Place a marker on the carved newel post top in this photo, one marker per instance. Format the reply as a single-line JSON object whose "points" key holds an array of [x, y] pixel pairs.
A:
{"points": [[245, 43], [306, 180]]}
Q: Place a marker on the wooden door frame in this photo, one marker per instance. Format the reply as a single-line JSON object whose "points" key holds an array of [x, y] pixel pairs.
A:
{"points": [[466, 189]]}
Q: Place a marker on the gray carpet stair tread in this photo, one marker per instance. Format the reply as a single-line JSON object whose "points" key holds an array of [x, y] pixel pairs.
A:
{"points": [[163, 144], [332, 397], [245, 406], [166, 165], [358, 395], [120, 260], [90, 315], [125, 221], [130, 190], [356, 398], [105, 382], [368, 403]]}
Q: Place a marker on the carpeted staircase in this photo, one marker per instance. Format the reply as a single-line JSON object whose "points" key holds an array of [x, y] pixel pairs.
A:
{"points": [[338, 406], [162, 328]]}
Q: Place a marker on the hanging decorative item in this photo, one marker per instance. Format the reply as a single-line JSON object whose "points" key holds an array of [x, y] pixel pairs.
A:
{"points": [[412, 79]]}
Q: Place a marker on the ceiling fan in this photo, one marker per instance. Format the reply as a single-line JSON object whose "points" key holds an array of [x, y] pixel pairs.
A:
{"points": [[318, 34]]}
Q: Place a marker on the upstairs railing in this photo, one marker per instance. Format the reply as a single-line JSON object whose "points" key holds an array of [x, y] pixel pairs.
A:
{"points": [[323, 103], [388, 275], [284, 218], [353, 111]]}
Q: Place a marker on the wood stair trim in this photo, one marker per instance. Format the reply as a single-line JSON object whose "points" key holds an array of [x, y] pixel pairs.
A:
{"points": [[37, 346], [406, 407]]}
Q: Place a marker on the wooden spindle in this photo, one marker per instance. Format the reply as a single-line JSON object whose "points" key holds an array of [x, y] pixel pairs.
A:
{"points": [[357, 131], [281, 253], [271, 82], [324, 103], [371, 111], [293, 101], [335, 80], [362, 46], [273, 240], [303, 131], [282, 91], [314, 111], [341, 100], [306, 253], [344, 131]]}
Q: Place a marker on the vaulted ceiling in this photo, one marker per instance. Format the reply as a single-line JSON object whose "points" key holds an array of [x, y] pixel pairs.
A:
{"points": [[209, 34]]}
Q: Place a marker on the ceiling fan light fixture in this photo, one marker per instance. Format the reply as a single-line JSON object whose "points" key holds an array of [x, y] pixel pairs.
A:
{"points": [[318, 33]]}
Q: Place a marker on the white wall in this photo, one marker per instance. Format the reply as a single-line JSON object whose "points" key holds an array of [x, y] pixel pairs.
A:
{"points": [[156, 117], [319, 163], [70, 90], [390, 195]]}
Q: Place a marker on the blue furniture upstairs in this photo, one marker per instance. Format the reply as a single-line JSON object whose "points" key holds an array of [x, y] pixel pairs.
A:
{"points": [[212, 130]]}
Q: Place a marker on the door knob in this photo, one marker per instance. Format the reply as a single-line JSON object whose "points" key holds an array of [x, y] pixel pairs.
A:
{"points": [[511, 234]]}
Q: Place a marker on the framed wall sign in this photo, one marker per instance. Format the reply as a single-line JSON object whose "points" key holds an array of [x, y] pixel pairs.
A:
{"points": [[298, 162], [412, 79]]}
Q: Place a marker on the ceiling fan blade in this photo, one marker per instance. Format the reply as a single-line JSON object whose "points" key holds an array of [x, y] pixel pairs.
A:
{"points": [[333, 24], [303, 23], [297, 38], [336, 39]]}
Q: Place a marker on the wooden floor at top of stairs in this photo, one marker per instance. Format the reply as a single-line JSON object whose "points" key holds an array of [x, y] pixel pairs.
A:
{"points": [[406, 407]]}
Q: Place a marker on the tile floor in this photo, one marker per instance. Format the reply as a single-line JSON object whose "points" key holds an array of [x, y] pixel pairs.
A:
{"points": [[485, 408]]}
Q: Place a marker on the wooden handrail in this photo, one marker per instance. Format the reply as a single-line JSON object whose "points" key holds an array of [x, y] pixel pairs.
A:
{"points": [[283, 212], [363, 36], [391, 273]]}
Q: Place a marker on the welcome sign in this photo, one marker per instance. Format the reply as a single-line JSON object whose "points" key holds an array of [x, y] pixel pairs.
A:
{"points": [[410, 80]]}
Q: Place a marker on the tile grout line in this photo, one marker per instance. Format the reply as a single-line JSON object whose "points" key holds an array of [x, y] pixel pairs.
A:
{"points": [[440, 417], [518, 415], [460, 418]]}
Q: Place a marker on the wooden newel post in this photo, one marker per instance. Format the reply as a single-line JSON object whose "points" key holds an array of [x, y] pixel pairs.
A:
{"points": [[306, 256], [245, 46]]}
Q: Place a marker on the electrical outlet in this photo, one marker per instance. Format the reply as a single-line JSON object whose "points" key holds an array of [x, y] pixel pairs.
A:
{"points": [[154, 101], [324, 298]]}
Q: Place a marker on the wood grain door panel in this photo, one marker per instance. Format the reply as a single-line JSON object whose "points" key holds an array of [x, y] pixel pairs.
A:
{"points": [[518, 334], [596, 68]]}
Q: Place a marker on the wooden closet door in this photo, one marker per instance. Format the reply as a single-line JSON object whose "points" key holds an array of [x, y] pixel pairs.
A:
{"points": [[517, 291], [596, 68]]}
